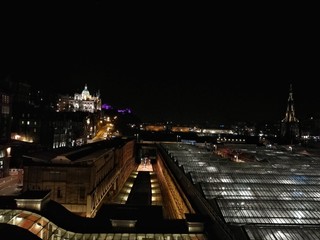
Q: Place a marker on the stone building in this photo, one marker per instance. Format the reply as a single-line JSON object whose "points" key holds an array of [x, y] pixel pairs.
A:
{"points": [[81, 178], [81, 102]]}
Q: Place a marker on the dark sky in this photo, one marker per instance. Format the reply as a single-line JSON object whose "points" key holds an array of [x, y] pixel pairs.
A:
{"points": [[170, 65]]}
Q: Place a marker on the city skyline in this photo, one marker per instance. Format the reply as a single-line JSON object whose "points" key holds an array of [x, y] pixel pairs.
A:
{"points": [[173, 71], [177, 100]]}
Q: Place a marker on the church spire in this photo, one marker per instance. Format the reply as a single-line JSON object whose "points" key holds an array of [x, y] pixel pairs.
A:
{"points": [[290, 130], [290, 113]]}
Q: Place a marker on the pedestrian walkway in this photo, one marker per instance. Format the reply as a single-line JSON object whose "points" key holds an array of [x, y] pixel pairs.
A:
{"points": [[145, 166], [140, 193], [141, 188]]}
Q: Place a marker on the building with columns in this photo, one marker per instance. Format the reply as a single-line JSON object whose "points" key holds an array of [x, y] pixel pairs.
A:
{"points": [[81, 102]]}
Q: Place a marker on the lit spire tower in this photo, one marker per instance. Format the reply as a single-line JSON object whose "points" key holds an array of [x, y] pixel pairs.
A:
{"points": [[290, 130]]}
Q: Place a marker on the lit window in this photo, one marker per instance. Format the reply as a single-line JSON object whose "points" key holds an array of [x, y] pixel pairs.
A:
{"points": [[5, 110]]}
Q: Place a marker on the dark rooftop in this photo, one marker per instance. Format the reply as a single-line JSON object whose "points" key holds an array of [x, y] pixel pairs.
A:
{"points": [[74, 153], [33, 194], [12, 232]]}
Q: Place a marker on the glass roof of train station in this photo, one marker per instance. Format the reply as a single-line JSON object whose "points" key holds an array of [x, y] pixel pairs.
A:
{"points": [[270, 198], [45, 229]]}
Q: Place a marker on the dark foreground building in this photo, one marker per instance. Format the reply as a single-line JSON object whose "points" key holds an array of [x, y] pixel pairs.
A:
{"points": [[176, 190], [135, 197]]}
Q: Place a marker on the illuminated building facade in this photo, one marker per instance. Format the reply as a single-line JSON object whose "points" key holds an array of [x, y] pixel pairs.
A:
{"points": [[81, 102], [5, 116], [4, 160]]}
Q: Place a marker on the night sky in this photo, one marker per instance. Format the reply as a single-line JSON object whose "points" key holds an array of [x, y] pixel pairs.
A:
{"points": [[172, 66]]}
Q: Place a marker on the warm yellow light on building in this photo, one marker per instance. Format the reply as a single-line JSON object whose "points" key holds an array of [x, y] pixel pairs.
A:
{"points": [[8, 151]]}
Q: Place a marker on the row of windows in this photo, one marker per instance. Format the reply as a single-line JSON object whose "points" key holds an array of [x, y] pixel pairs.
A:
{"points": [[5, 99], [283, 233], [267, 220], [271, 193], [262, 213], [268, 204], [5, 110], [28, 122], [277, 188]]}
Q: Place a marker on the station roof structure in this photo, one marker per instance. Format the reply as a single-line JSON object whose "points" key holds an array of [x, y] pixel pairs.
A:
{"points": [[275, 196]]}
